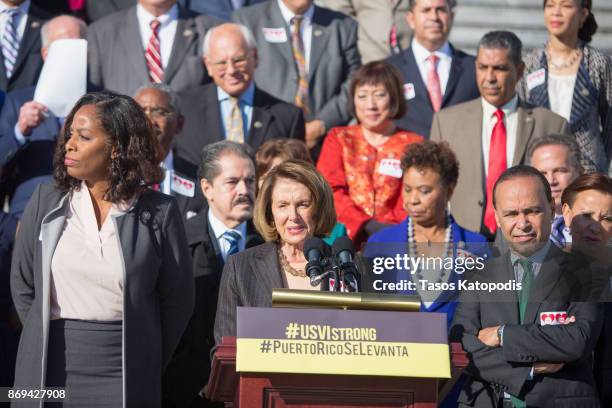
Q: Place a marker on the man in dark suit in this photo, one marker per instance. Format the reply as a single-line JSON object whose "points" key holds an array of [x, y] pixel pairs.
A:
{"points": [[162, 106], [28, 130], [221, 9], [227, 179], [152, 41], [436, 74], [96, 9], [306, 56], [20, 59], [531, 343], [491, 133], [233, 107]]}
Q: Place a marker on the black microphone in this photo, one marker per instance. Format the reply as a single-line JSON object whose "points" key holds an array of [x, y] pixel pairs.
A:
{"points": [[344, 251], [315, 250]]}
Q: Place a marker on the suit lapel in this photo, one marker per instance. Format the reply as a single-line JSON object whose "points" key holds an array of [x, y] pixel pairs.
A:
{"points": [[549, 275], [507, 306], [186, 34], [267, 268], [212, 115], [524, 131], [283, 48], [472, 132], [413, 75], [131, 39], [260, 121], [453, 77], [31, 36], [320, 36]]}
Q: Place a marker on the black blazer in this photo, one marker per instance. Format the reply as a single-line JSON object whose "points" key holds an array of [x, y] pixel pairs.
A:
{"points": [[461, 87], [491, 371], [29, 61], [272, 118], [188, 370]]}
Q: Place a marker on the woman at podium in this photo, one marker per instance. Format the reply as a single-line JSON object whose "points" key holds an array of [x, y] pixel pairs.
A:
{"points": [[294, 203]]}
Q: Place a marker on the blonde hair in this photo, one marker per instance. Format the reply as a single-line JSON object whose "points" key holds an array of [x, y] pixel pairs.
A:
{"points": [[303, 172]]}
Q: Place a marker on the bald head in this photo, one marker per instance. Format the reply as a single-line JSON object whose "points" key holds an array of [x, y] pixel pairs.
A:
{"points": [[59, 28], [230, 57]]}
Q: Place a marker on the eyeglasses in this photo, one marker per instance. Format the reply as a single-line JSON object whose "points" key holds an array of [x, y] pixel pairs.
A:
{"points": [[239, 63], [158, 112]]}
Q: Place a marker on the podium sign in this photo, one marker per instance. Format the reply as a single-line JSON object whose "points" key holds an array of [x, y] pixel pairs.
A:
{"points": [[355, 342]]}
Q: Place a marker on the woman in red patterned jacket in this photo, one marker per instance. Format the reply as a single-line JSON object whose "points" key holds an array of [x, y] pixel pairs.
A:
{"points": [[362, 162]]}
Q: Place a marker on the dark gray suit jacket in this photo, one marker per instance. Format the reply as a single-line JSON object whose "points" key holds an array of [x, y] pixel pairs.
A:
{"points": [[158, 288], [272, 118], [116, 57], [188, 370], [333, 56], [247, 280], [491, 371], [29, 61]]}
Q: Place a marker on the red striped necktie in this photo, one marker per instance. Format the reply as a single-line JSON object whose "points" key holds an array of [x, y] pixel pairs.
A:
{"points": [[153, 54]]}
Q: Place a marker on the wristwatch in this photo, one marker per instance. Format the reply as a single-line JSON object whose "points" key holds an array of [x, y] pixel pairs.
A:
{"points": [[500, 332]]}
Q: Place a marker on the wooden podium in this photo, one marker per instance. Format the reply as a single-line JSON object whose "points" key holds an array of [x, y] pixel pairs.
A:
{"points": [[280, 390]]}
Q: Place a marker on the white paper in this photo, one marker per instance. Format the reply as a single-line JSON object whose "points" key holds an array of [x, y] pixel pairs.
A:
{"points": [[63, 79]]}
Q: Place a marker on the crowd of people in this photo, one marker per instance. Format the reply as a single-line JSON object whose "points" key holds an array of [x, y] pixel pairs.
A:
{"points": [[216, 138]]}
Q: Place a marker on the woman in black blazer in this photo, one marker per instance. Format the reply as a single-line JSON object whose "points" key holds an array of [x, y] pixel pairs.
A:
{"points": [[101, 275], [294, 203]]}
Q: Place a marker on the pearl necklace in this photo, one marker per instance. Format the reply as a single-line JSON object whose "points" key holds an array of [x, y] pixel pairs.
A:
{"points": [[568, 63], [448, 247]]}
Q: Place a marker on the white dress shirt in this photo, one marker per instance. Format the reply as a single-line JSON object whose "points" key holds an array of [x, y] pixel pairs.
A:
{"points": [[87, 265], [168, 166], [488, 123], [445, 58], [306, 27], [21, 19], [166, 30], [219, 229]]}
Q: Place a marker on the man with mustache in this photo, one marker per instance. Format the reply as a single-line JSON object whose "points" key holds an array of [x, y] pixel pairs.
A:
{"points": [[161, 104], [491, 133], [531, 347], [222, 228]]}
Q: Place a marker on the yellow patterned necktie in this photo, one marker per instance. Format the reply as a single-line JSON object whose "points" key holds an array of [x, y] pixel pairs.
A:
{"points": [[234, 129], [297, 46]]}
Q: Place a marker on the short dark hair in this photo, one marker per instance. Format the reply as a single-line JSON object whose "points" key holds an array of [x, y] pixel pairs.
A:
{"points": [[523, 171], [556, 139], [380, 73], [209, 157], [431, 155], [284, 149], [131, 139], [506, 40], [589, 28], [451, 4], [592, 181]]}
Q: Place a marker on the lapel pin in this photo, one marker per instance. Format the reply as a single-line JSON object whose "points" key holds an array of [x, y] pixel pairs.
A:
{"points": [[187, 33], [257, 124], [529, 119], [584, 92], [318, 33], [35, 24]]}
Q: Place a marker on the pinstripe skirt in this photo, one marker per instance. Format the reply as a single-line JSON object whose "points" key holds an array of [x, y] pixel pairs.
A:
{"points": [[85, 358]]}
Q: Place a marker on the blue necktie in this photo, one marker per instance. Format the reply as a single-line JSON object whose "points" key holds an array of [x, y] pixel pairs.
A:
{"points": [[232, 238], [556, 232], [10, 43]]}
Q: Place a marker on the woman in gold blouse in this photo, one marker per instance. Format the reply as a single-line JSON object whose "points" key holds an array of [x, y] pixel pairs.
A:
{"points": [[294, 203]]}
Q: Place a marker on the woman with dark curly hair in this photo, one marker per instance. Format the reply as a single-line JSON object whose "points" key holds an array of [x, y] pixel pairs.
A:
{"points": [[101, 275], [573, 79]]}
